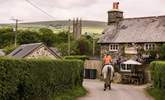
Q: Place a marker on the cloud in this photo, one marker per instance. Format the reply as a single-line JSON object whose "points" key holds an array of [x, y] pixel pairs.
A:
{"points": [[85, 9], [66, 4]]}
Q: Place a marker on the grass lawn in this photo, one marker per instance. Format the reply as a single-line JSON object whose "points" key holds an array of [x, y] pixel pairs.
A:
{"points": [[71, 94], [156, 93]]}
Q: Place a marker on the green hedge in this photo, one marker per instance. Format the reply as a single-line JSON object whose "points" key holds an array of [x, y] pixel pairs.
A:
{"points": [[158, 94], [77, 57], [158, 74], [22, 79]]}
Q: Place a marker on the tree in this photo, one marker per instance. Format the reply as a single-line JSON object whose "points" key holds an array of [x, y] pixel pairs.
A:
{"points": [[84, 47], [8, 49], [6, 30], [63, 48], [162, 51], [61, 37], [47, 36], [25, 37], [6, 37], [92, 39]]}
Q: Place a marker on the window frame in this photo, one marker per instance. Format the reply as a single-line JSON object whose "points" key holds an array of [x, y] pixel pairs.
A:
{"points": [[124, 68], [149, 46], [113, 47]]}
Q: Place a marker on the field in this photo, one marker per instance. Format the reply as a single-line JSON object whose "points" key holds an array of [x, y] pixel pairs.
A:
{"points": [[57, 26]]}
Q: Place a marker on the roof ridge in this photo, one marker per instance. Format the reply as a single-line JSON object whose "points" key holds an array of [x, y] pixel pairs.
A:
{"points": [[31, 44], [144, 17]]}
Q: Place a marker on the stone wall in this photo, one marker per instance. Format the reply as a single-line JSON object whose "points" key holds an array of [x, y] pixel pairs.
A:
{"points": [[41, 52], [121, 51], [94, 64], [104, 49]]}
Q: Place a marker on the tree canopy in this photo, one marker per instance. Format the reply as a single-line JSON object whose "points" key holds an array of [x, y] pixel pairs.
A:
{"points": [[82, 46]]}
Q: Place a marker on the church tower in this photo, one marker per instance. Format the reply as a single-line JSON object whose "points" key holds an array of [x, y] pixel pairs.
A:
{"points": [[77, 28]]}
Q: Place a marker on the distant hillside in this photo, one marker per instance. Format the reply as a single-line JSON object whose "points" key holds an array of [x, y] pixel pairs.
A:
{"points": [[85, 23], [57, 26]]}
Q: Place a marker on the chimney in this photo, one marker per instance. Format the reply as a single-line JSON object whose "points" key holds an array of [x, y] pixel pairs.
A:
{"points": [[115, 15]]}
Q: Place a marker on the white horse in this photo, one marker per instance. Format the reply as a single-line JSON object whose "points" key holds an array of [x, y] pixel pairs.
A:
{"points": [[107, 72]]}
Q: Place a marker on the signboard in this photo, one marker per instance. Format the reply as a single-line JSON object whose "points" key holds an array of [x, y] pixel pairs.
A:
{"points": [[130, 50]]}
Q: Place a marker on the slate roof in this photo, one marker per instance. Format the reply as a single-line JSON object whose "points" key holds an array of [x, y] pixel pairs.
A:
{"points": [[56, 51], [23, 50], [135, 30]]}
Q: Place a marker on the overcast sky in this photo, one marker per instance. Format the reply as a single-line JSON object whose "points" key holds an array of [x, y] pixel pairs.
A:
{"points": [[85, 9]]}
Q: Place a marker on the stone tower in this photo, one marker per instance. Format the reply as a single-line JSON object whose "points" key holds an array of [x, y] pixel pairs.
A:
{"points": [[77, 28], [115, 15]]}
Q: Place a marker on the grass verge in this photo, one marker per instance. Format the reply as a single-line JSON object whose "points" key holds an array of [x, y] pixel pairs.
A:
{"points": [[71, 94], [156, 93]]}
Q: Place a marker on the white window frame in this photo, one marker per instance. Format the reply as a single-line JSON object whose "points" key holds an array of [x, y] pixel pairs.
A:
{"points": [[113, 47], [149, 46], [126, 68]]}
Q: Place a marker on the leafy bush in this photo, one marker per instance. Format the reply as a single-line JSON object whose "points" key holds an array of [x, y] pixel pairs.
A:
{"points": [[84, 47], [162, 51], [158, 74], [156, 93], [23, 79], [47, 36], [63, 48], [71, 94], [6, 39], [9, 49], [27, 36], [62, 37], [77, 57]]}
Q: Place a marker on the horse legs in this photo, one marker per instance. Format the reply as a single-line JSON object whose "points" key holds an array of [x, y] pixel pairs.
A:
{"points": [[109, 86], [105, 86]]}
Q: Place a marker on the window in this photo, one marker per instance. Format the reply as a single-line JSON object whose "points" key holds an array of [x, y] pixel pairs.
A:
{"points": [[125, 68], [149, 46], [113, 47]]}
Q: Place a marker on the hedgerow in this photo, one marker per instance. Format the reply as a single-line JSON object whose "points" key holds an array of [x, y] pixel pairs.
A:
{"points": [[77, 57], [25, 79], [158, 74]]}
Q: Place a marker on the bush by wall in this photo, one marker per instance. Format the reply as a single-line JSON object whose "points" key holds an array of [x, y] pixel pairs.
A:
{"points": [[158, 74], [77, 57], [22, 79]]}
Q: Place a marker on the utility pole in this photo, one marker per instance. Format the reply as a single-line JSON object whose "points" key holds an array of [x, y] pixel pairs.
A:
{"points": [[93, 46], [69, 37], [15, 30], [94, 38]]}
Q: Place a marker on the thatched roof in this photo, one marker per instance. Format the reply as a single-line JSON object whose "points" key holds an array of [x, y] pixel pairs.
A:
{"points": [[135, 30]]}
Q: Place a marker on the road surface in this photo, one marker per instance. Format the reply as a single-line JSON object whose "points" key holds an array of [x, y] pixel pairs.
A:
{"points": [[118, 92]]}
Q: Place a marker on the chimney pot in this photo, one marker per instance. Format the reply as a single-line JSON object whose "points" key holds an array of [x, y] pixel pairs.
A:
{"points": [[116, 5]]}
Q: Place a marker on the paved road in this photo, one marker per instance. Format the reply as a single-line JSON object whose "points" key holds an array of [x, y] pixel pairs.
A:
{"points": [[118, 92]]}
